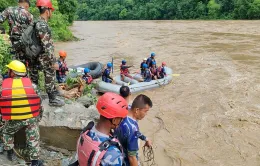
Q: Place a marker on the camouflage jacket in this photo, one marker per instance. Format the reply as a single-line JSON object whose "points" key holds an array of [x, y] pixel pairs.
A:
{"points": [[18, 19], [44, 33]]}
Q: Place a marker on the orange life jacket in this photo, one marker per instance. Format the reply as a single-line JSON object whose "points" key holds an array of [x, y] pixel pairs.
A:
{"points": [[19, 100], [124, 70]]}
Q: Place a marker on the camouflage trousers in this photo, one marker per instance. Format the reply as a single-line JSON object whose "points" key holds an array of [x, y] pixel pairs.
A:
{"points": [[1, 129], [32, 135], [44, 64]]}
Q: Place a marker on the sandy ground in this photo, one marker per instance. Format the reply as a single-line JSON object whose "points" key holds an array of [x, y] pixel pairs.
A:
{"points": [[209, 115]]}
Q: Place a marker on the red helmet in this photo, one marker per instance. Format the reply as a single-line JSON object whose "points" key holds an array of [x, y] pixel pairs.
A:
{"points": [[164, 63], [45, 3], [111, 105], [62, 53]]}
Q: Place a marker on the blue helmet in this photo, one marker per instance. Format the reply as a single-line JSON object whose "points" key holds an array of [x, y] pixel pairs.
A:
{"points": [[152, 54], [86, 70], [123, 62], [109, 65], [145, 66], [153, 63]]}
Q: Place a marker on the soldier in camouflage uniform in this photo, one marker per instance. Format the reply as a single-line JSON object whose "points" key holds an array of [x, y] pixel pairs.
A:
{"points": [[18, 18], [46, 59], [28, 117]]}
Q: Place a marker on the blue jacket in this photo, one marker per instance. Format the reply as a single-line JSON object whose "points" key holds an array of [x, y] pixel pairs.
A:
{"points": [[147, 75]]}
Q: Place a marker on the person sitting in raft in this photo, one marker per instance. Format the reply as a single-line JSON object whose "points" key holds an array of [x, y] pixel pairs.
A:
{"points": [[154, 71], [87, 77], [106, 74], [141, 66], [126, 94], [147, 74], [162, 71], [151, 59], [124, 72], [61, 67]]}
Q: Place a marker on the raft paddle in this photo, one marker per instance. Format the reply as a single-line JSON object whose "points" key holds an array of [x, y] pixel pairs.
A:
{"points": [[176, 75]]}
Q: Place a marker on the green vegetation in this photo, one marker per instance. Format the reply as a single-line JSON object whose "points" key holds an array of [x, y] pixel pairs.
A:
{"points": [[5, 56], [60, 21], [167, 9]]}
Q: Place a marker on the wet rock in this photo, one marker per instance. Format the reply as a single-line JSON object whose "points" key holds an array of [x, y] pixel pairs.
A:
{"points": [[61, 126], [86, 101], [73, 116]]}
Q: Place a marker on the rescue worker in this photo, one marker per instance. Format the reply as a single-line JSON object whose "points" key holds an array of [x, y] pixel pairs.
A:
{"points": [[124, 72], [151, 59], [99, 138], [46, 59], [162, 71], [106, 74], [141, 66], [87, 77], [18, 18], [61, 67], [20, 108], [154, 71], [128, 131], [147, 74], [124, 91]]}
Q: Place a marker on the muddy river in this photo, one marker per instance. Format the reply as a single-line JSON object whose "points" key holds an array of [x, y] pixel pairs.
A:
{"points": [[210, 114]]}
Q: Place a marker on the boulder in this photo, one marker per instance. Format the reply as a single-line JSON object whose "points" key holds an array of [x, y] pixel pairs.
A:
{"points": [[60, 126]]}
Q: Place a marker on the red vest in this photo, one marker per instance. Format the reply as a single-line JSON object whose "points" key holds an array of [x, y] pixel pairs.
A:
{"points": [[123, 71], [90, 152], [153, 71], [19, 100]]}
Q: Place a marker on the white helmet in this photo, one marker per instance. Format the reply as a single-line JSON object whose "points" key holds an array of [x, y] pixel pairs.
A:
{"points": [[145, 59]]}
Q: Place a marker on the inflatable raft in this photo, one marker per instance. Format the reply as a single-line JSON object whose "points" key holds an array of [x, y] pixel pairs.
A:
{"points": [[96, 68], [135, 86]]}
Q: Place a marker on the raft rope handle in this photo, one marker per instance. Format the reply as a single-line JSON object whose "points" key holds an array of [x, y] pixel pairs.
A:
{"points": [[148, 155]]}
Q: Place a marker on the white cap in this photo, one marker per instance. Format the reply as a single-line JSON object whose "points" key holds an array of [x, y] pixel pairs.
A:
{"points": [[145, 59]]}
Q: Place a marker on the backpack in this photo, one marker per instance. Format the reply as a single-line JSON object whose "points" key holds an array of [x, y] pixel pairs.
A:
{"points": [[31, 43], [89, 152]]}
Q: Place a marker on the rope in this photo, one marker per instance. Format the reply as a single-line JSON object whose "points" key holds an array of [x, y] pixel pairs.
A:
{"points": [[148, 155]]}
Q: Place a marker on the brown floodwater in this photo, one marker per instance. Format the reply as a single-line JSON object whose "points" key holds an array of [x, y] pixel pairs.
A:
{"points": [[210, 114]]}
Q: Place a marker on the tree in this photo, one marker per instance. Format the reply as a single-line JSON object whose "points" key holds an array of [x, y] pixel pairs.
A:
{"points": [[6, 3], [241, 9], [69, 8], [123, 14], [254, 10], [213, 9]]}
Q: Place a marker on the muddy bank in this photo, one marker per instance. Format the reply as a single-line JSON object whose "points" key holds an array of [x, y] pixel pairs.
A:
{"points": [[210, 114]]}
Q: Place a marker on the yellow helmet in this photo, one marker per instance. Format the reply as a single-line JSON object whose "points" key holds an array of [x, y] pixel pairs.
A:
{"points": [[17, 66]]}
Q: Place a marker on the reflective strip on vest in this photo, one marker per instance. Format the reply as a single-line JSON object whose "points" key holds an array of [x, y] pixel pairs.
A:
{"points": [[98, 153], [19, 100]]}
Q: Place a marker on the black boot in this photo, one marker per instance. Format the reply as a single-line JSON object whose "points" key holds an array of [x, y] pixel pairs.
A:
{"points": [[37, 163], [11, 155], [54, 101]]}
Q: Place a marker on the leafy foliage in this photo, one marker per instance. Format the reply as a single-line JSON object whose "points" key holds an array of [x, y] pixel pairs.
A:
{"points": [[69, 8], [88, 92], [167, 9], [5, 56]]}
